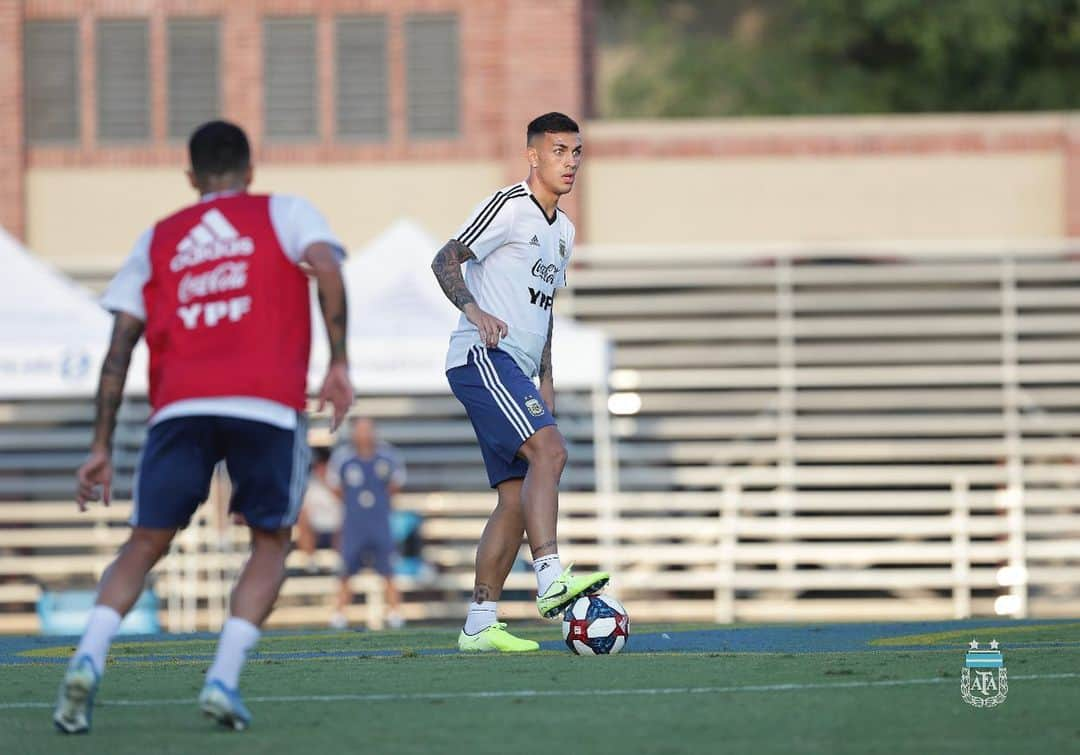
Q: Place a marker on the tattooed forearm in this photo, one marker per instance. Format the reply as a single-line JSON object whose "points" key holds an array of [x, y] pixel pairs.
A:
{"points": [[110, 392], [447, 269], [335, 312], [332, 303]]}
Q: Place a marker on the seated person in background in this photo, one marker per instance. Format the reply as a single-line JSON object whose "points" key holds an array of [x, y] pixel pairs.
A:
{"points": [[367, 474], [319, 525]]}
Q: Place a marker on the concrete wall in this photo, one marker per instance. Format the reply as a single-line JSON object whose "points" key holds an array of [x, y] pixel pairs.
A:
{"points": [[88, 218], [836, 178], [812, 198]]}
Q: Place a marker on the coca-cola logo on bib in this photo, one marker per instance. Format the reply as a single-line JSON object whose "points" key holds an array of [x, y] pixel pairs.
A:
{"points": [[228, 276]]}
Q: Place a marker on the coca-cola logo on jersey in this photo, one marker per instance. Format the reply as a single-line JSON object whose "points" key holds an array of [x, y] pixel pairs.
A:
{"points": [[228, 276], [544, 272]]}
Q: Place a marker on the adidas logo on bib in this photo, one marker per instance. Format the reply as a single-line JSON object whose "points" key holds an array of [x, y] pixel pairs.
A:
{"points": [[534, 241], [212, 238]]}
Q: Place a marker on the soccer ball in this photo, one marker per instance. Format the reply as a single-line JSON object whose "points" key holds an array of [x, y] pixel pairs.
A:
{"points": [[596, 625]]}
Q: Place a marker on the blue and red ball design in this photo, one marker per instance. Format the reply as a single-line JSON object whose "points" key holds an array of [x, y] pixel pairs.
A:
{"points": [[596, 625]]}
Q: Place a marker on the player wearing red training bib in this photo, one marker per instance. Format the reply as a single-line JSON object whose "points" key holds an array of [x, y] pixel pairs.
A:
{"points": [[218, 291]]}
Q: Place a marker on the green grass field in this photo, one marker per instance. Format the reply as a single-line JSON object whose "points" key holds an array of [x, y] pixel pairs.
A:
{"points": [[896, 691]]}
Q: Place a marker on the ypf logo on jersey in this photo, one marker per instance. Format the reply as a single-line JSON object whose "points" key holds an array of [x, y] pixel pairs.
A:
{"points": [[212, 238], [984, 682]]}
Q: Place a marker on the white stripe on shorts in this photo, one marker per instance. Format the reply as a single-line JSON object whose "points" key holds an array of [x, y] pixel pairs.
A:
{"points": [[500, 400], [298, 483], [133, 520], [486, 358]]}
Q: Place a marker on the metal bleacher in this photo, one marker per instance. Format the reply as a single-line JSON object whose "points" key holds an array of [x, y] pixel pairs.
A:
{"points": [[851, 400], [824, 433]]}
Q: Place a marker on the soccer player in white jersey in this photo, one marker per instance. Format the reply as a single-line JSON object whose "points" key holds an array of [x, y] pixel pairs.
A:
{"points": [[515, 246]]}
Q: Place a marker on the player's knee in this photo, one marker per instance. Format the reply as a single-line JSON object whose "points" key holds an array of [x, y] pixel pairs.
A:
{"points": [[559, 454], [149, 545], [549, 451], [271, 540]]}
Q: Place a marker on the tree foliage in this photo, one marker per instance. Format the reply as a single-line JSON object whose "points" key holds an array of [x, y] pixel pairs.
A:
{"points": [[765, 57]]}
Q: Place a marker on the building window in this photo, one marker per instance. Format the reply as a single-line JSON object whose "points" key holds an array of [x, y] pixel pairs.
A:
{"points": [[51, 81], [432, 70], [291, 85], [361, 77], [194, 70], [123, 80]]}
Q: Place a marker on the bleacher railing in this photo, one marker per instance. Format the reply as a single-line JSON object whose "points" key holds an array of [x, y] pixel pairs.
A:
{"points": [[852, 432]]}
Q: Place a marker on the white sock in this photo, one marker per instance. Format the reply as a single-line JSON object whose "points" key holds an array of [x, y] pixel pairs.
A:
{"points": [[100, 630], [237, 638], [481, 616], [548, 569]]}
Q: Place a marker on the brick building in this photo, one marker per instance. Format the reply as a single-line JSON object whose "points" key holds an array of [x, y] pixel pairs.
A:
{"points": [[98, 96], [377, 109]]}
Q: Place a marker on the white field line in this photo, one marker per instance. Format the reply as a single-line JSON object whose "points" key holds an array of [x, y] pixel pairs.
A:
{"points": [[394, 697]]}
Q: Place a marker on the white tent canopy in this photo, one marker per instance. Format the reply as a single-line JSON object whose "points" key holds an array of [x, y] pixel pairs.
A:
{"points": [[400, 323], [53, 335]]}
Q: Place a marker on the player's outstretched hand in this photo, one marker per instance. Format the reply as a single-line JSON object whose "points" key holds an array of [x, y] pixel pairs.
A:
{"points": [[491, 328], [94, 478], [337, 389]]}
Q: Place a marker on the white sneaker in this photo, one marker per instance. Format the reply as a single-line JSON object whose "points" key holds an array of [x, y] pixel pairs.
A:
{"points": [[338, 621], [224, 706], [75, 704]]}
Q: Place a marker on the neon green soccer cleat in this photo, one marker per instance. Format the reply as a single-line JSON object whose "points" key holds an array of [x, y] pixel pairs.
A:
{"points": [[494, 639], [567, 588]]}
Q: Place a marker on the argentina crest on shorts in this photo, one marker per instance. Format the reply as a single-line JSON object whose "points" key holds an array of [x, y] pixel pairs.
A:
{"points": [[502, 405]]}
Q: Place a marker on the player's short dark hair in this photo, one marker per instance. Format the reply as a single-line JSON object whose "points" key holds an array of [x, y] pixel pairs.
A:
{"points": [[217, 148], [551, 123]]}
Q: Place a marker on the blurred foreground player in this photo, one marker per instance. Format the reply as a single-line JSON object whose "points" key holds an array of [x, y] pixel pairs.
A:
{"points": [[218, 290], [515, 247]]}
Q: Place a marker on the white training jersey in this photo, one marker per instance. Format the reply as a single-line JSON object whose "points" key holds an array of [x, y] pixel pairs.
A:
{"points": [[323, 508], [521, 258]]}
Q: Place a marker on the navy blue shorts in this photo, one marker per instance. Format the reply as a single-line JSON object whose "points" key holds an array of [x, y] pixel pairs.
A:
{"points": [[504, 407], [268, 468], [378, 552]]}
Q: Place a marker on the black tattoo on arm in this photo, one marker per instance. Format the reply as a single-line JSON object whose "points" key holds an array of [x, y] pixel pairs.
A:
{"points": [[447, 269], [332, 302], [125, 334], [335, 312]]}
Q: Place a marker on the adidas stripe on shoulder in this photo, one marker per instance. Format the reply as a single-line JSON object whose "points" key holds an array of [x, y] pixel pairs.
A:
{"points": [[487, 214]]}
